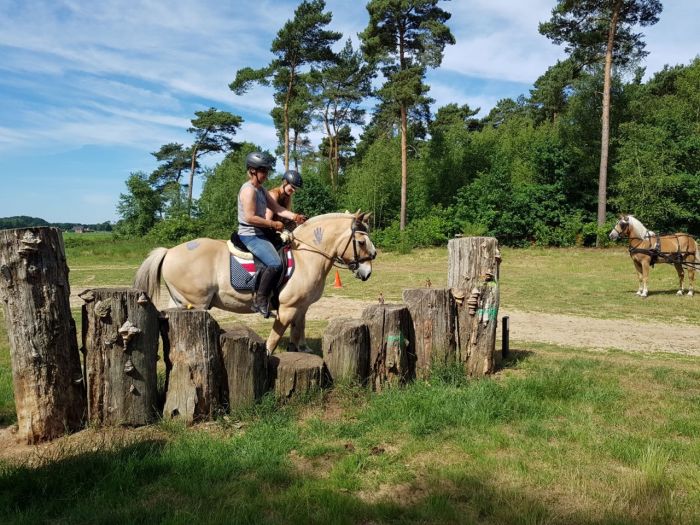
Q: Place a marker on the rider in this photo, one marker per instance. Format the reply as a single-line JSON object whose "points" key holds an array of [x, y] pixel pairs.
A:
{"points": [[291, 182], [253, 200]]}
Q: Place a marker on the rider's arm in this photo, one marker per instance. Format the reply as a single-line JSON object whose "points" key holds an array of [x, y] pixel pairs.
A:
{"points": [[248, 203], [275, 207]]}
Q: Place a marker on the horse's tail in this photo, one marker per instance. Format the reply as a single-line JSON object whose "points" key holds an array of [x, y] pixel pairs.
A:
{"points": [[148, 275]]}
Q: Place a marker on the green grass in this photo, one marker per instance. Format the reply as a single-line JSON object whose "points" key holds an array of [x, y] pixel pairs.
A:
{"points": [[560, 435]]}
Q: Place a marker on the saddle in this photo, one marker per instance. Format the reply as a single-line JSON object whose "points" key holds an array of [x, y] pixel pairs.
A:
{"points": [[245, 267]]}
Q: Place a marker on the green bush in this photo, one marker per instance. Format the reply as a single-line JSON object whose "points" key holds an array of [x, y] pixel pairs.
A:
{"points": [[175, 230], [433, 230]]}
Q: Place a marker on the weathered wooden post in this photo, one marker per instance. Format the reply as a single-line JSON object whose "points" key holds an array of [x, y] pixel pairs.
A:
{"points": [[391, 343], [120, 341], [46, 374], [433, 313], [346, 350], [196, 386], [296, 373], [473, 273], [245, 365]]}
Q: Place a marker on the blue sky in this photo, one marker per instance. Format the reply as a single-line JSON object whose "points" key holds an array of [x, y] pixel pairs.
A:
{"points": [[89, 89]]}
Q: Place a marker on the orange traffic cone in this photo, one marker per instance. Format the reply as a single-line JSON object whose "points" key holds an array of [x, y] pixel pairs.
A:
{"points": [[337, 283]]}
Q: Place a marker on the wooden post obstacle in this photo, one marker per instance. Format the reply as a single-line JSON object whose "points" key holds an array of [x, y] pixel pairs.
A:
{"points": [[245, 365], [46, 373], [433, 314], [346, 350], [210, 371], [473, 276], [391, 343], [120, 343], [196, 387]]}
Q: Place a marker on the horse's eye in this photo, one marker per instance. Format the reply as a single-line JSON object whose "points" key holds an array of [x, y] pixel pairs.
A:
{"points": [[362, 242]]}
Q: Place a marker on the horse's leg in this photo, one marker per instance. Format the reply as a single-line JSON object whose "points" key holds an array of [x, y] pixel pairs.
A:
{"points": [[285, 315], [680, 272], [691, 278], [638, 267], [297, 337], [645, 278]]}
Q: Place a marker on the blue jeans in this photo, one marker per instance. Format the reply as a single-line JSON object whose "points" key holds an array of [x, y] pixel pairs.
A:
{"points": [[263, 250]]}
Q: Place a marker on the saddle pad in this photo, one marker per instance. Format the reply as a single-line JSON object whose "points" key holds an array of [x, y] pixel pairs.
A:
{"points": [[243, 271]]}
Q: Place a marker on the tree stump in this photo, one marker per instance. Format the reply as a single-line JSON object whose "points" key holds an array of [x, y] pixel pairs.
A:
{"points": [[391, 344], [120, 341], [245, 365], [346, 350], [196, 386], [433, 312], [46, 372], [295, 373], [473, 273]]}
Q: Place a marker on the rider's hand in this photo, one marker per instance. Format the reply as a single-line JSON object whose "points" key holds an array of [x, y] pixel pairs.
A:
{"points": [[277, 226], [299, 218]]}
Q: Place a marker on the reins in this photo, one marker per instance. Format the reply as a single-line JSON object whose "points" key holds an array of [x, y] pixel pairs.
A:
{"points": [[337, 260]]}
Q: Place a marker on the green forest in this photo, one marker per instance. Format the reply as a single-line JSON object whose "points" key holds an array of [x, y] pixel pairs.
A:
{"points": [[594, 137]]}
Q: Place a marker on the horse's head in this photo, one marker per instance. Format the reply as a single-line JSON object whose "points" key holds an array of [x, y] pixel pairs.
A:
{"points": [[621, 229], [358, 251]]}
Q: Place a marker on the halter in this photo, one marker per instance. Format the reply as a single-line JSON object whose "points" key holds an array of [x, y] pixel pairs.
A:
{"points": [[338, 261]]}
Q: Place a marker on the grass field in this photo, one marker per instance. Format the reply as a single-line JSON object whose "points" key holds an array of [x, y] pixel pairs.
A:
{"points": [[560, 435]]}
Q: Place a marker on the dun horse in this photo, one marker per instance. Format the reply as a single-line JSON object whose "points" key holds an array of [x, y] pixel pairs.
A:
{"points": [[197, 273], [646, 248]]}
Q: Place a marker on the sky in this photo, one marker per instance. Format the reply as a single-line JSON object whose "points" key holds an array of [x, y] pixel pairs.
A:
{"points": [[89, 89]]}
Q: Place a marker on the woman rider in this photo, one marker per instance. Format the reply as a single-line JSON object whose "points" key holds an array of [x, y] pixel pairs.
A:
{"points": [[291, 182], [253, 200]]}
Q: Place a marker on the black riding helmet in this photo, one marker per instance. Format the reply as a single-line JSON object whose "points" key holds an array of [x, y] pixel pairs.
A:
{"points": [[293, 178], [257, 159]]}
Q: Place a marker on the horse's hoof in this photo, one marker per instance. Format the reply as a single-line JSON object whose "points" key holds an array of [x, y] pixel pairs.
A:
{"points": [[690, 293], [679, 292], [638, 293]]}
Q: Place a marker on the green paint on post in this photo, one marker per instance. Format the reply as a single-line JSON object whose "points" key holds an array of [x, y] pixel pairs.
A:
{"points": [[491, 312]]}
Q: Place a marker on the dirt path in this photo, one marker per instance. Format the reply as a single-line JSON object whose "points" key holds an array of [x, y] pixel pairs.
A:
{"points": [[565, 330]]}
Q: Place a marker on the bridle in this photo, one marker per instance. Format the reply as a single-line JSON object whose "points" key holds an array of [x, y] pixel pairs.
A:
{"points": [[338, 260], [353, 265]]}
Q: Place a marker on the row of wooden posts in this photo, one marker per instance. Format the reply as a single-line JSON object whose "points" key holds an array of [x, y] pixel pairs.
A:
{"points": [[208, 369]]}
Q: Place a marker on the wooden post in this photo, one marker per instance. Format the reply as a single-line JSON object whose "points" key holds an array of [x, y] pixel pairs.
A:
{"points": [[120, 341], [245, 365], [392, 354], [196, 386], [346, 350], [46, 374], [295, 373], [473, 276], [433, 313]]}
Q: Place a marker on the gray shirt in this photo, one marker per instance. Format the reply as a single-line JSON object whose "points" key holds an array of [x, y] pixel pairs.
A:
{"points": [[260, 207]]}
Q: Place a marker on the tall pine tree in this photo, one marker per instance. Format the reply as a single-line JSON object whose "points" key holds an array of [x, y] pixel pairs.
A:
{"points": [[405, 37], [596, 31]]}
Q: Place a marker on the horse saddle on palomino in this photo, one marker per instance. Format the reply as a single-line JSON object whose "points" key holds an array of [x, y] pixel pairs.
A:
{"points": [[245, 268]]}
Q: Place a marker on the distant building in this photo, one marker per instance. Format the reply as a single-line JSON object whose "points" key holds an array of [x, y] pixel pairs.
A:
{"points": [[79, 229]]}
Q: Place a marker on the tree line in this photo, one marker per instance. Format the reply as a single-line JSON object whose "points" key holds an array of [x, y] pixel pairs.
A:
{"points": [[552, 167], [24, 221]]}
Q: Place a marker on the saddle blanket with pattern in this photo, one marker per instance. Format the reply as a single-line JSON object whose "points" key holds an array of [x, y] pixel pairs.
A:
{"points": [[244, 272]]}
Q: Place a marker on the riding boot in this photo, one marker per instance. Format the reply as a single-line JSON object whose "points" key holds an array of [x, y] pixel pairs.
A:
{"points": [[261, 304]]}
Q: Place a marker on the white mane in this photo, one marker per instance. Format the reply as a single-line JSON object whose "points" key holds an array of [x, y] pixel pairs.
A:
{"points": [[637, 229]]}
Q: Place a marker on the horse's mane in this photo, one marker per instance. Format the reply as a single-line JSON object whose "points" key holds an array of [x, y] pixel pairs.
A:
{"points": [[637, 227]]}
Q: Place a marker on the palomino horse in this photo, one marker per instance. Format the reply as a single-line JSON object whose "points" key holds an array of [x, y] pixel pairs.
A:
{"points": [[646, 247], [197, 273]]}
